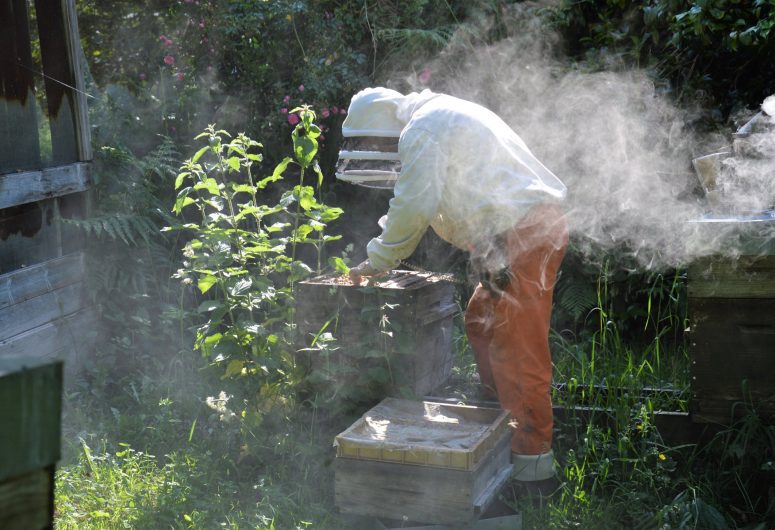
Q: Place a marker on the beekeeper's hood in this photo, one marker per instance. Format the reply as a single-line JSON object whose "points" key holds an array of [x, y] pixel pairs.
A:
{"points": [[382, 112]]}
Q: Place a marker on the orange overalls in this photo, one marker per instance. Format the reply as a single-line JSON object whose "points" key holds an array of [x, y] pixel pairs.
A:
{"points": [[509, 329]]}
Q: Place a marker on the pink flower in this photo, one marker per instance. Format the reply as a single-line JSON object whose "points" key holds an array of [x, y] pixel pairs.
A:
{"points": [[334, 110], [425, 76], [301, 88], [342, 112], [283, 111], [166, 41], [286, 99], [325, 113], [180, 76], [142, 77], [293, 119], [322, 138], [169, 60]]}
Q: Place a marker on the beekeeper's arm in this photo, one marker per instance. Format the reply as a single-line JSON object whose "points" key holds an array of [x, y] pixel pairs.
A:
{"points": [[414, 204]]}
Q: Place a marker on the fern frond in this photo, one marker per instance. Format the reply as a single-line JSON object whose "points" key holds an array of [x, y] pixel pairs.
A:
{"points": [[577, 298], [128, 228]]}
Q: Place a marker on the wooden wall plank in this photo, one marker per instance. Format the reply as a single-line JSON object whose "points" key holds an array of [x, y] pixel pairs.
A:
{"points": [[70, 339], [32, 186], [23, 284], [41, 310]]}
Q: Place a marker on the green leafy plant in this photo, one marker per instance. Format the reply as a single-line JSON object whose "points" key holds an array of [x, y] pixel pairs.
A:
{"points": [[243, 256]]}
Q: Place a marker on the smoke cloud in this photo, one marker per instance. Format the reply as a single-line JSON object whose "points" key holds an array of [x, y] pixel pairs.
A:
{"points": [[618, 142]]}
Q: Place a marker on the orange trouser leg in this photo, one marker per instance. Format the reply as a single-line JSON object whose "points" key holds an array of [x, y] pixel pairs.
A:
{"points": [[509, 330]]}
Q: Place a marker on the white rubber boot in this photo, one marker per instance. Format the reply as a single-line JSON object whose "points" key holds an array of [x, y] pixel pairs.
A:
{"points": [[531, 468]]}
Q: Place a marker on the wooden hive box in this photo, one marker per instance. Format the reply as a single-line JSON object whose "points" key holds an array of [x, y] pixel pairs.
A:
{"points": [[422, 461], [30, 415], [393, 336], [732, 340]]}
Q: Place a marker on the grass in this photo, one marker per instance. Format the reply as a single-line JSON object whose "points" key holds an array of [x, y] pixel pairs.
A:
{"points": [[142, 453]]}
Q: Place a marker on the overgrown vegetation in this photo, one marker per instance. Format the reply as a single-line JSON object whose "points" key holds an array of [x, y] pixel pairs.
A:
{"points": [[189, 416]]}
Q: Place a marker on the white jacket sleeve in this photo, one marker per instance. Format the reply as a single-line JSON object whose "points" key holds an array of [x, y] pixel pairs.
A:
{"points": [[415, 202]]}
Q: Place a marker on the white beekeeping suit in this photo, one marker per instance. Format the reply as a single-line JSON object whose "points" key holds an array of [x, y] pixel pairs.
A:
{"points": [[469, 176], [465, 172]]}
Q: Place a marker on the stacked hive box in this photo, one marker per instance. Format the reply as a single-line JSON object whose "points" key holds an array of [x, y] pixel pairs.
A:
{"points": [[732, 340], [30, 394], [393, 336], [423, 461]]}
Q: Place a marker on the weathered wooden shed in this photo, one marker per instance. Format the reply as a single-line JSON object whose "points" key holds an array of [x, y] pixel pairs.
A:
{"points": [[44, 178]]}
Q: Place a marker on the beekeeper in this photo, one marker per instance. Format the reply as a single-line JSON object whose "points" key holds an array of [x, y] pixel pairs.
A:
{"points": [[469, 176]]}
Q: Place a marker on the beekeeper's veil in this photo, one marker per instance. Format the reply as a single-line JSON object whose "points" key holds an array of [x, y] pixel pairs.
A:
{"points": [[374, 122]]}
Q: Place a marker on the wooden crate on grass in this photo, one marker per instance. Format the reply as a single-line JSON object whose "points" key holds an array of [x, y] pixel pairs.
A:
{"points": [[422, 461], [30, 415], [732, 340], [393, 335]]}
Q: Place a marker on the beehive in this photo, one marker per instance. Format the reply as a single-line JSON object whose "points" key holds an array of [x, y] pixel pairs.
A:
{"points": [[30, 393], [393, 335], [732, 339], [422, 461]]}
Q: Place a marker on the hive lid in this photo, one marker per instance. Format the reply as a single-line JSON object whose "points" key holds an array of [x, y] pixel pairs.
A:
{"points": [[395, 279], [424, 433]]}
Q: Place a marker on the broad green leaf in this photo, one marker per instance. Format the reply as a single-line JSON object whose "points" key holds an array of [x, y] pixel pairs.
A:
{"points": [[305, 150], [198, 154], [302, 232], [317, 225], [243, 188], [339, 265], [180, 178], [330, 214], [206, 282], [209, 343], [241, 286], [181, 203], [306, 197], [233, 163], [233, 368], [209, 184], [277, 227], [277, 174]]}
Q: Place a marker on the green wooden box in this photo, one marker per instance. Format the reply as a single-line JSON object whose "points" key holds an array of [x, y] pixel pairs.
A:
{"points": [[732, 338], [423, 461], [30, 431]]}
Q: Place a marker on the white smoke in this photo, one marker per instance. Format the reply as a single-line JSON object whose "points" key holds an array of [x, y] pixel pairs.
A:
{"points": [[618, 141]]}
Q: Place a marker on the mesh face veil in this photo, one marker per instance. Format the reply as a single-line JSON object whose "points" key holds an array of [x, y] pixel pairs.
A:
{"points": [[369, 154]]}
